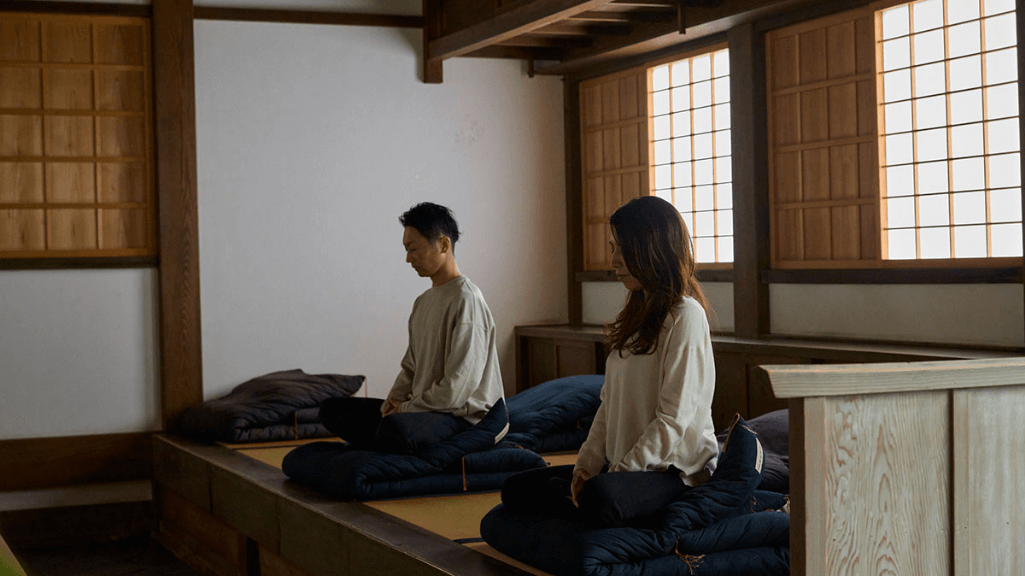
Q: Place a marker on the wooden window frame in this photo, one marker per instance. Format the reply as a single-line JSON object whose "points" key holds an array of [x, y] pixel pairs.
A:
{"points": [[873, 269], [585, 270], [141, 248]]}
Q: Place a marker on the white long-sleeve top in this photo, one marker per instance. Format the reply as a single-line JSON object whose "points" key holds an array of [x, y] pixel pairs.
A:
{"points": [[656, 409], [451, 363]]}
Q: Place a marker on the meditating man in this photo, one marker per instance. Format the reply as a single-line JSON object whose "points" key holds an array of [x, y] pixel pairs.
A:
{"points": [[450, 376]]}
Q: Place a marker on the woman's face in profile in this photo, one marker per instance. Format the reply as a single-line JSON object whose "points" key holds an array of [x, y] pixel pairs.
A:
{"points": [[619, 265]]}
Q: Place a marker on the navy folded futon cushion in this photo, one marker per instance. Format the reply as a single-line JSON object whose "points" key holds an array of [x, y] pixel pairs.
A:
{"points": [[724, 526], [469, 461], [555, 416]]}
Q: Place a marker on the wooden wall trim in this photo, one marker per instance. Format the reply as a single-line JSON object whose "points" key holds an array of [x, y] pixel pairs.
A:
{"points": [[750, 181], [79, 263], [574, 198], [895, 276], [37, 463], [307, 17], [91, 8], [174, 100]]}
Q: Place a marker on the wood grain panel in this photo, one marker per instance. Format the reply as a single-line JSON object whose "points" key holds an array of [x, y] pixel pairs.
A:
{"points": [[789, 234], [843, 111], [121, 44], [786, 119], [590, 105], [69, 229], [67, 42], [632, 94], [865, 39], [871, 242], [69, 136], [812, 56], [121, 136], [784, 62], [817, 235], [613, 194], [845, 229], [22, 228], [21, 135], [611, 142], [122, 90], [988, 445], [787, 177], [815, 178], [20, 41], [883, 460], [37, 463], [20, 88], [68, 89], [843, 172], [814, 115], [21, 182], [70, 182], [123, 229], [630, 144], [121, 182], [610, 102], [841, 55], [866, 107]]}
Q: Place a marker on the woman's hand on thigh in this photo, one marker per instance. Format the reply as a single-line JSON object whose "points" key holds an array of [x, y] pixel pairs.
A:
{"points": [[579, 477]]}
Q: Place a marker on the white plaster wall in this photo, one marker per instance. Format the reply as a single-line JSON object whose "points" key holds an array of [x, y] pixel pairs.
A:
{"points": [[975, 314], [603, 300], [78, 352], [312, 140]]}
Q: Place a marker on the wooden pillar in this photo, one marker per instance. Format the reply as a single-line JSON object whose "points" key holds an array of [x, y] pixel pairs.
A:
{"points": [[174, 103], [574, 198], [1020, 17], [432, 30], [750, 181]]}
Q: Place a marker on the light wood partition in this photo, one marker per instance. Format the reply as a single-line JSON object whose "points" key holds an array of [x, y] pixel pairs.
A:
{"points": [[76, 173], [906, 468]]}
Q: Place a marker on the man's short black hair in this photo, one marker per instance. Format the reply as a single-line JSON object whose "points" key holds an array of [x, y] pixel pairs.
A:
{"points": [[431, 220]]}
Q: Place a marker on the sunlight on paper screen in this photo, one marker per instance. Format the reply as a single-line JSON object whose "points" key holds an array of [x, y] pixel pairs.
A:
{"points": [[950, 174]]}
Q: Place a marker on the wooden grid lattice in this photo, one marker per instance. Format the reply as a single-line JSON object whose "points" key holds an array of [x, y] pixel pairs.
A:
{"points": [[75, 137]]}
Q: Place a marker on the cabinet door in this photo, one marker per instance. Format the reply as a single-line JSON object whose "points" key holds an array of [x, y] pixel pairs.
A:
{"points": [[550, 359]]}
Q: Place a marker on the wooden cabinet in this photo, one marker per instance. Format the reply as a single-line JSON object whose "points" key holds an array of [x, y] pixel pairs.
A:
{"points": [[547, 352]]}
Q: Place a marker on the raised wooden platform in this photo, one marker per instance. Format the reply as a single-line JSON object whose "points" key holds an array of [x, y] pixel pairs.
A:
{"points": [[226, 513]]}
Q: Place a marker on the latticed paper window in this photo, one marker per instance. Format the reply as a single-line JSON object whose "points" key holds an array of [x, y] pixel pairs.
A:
{"points": [[692, 148], [948, 82], [75, 137]]}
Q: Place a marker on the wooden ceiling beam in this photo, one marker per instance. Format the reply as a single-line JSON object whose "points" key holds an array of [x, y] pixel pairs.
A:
{"points": [[652, 36], [532, 41], [517, 53], [515, 22]]}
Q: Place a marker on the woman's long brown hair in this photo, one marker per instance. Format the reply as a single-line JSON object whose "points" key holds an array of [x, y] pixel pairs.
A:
{"points": [[656, 248]]}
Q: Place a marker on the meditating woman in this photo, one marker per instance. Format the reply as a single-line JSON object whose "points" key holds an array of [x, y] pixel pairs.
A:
{"points": [[652, 437]]}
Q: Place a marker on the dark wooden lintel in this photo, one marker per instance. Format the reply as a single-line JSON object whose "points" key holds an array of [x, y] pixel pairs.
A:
{"points": [[653, 36], [517, 53], [92, 8], [79, 263], [505, 25], [308, 17]]}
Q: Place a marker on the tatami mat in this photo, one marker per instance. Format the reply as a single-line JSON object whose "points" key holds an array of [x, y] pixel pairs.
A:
{"points": [[455, 517]]}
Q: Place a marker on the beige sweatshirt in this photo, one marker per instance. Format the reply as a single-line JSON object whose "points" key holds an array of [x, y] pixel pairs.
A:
{"points": [[656, 409], [451, 363]]}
